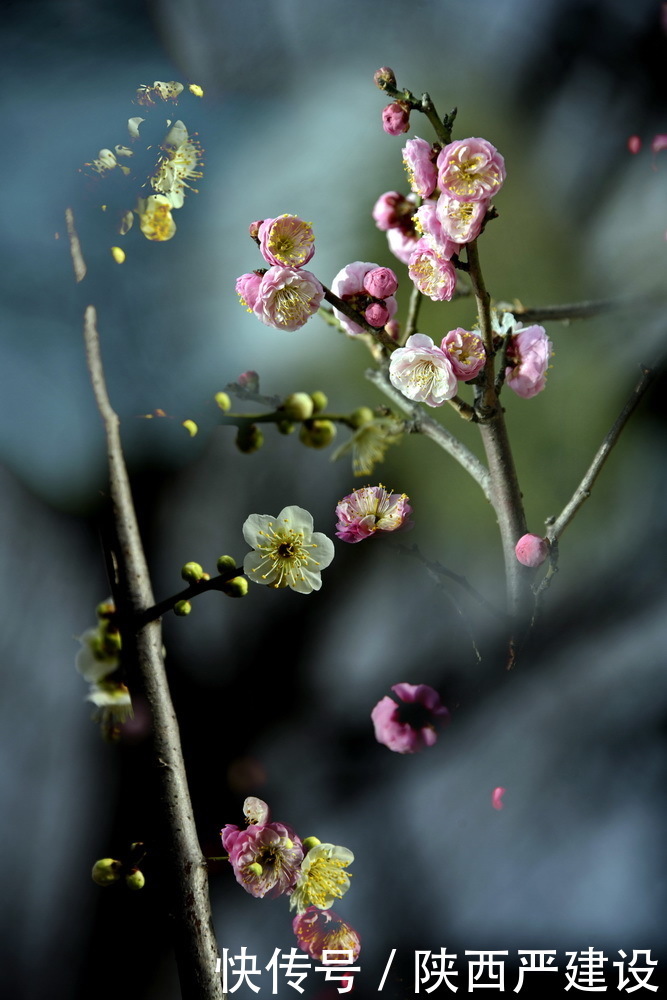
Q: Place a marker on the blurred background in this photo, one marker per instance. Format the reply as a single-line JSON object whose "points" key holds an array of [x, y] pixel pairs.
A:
{"points": [[274, 692]]}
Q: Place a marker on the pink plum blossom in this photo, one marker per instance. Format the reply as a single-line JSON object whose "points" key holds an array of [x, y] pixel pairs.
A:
{"points": [[247, 288], [532, 550], [432, 273], [348, 285], [465, 351], [396, 118], [266, 857], [421, 170], [427, 221], [369, 510], [287, 241], [402, 243], [319, 930], [470, 170], [422, 371], [658, 143], [393, 210], [287, 297], [529, 354], [461, 221], [409, 725]]}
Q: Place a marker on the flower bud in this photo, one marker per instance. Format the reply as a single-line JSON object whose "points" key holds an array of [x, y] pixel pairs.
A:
{"points": [[190, 427], [380, 282], [135, 880], [376, 314], [298, 406], [531, 550], [249, 438], [309, 842], [192, 572], [225, 563], [253, 229], [384, 77], [396, 118], [223, 401], [182, 608], [320, 401], [362, 415], [118, 254], [285, 427], [317, 433], [236, 587], [105, 871]]}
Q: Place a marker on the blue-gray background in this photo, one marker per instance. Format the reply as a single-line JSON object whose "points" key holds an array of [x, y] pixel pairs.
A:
{"points": [[274, 692]]}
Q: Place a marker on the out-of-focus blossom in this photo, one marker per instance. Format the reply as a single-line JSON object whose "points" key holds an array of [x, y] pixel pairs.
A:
{"points": [[432, 273], [99, 655], [634, 144], [148, 95], [421, 170], [287, 241], [470, 170], [497, 797], [288, 553], [531, 550], [370, 509], [393, 210], [323, 930], [409, 726], [322, 878], [465, 351], [177, 166], [461, 221], [266, 857], [247, 289], [369, 443], [287, 297], [402, 243], [422, 371], [529, 354], [396, 118], [349, 285], [658, 143], [155, 218]]}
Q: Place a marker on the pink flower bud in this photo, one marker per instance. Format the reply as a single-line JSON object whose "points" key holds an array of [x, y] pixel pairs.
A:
{"points": [[380, 282], [253, 229], [249, 380], [634, 144], [531, 550], [376, 314], [396, 118], [393, 209], [384, 77]]}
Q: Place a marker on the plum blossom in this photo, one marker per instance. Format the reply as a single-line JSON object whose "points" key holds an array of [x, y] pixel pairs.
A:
{"points": [[322, 878], [155, 218], [287, 241], [421, 170], [287, 552], [528, 354], [531, 550], [178, 164], [396, 118], [266, 857], [393, 210], [432, 272], [470, 170], [461, 221], [351, 284], [428, 223], [402, 243], [287, 297], [409, 726], [465, 351], [319, 930], [422, 371], [370, 509], [247, 288]]}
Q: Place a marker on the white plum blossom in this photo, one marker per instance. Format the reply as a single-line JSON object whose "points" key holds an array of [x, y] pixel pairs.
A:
{"points": [[287, 552], [422, 371]]}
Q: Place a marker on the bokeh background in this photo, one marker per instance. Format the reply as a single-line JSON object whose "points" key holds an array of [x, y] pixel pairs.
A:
{"points": [[274, 692]]}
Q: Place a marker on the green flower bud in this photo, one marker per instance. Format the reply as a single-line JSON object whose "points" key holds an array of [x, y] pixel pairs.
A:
{"points": [[135, 880], [285, 426], [192, 572], [320, 401], [317, 433], [362, 416], [299, 406], [105, 871], [223, 401], [182, 608], [249, 438], [225, 563], [310, 842], [236, 587]]}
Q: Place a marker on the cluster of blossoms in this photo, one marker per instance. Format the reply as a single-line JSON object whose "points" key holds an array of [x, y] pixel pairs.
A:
{"points": [[456, 183], [369, 510], [408, 725], [284, 295], [269, 860], [98, 661], [369, 289], [178, 163], [430, 374]]}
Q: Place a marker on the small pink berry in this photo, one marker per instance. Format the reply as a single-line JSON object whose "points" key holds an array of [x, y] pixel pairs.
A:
{"points": [[396, 118], [531, 550]]}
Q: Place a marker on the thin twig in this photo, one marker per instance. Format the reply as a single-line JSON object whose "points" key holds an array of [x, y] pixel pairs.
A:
{"points": [[195, 945], [573, 310], [413, 312], [439, 570], [556, 526]]}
